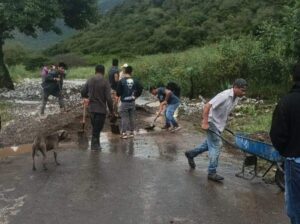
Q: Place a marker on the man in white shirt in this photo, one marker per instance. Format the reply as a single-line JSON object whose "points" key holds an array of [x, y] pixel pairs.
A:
{"points": [[215, 115]]}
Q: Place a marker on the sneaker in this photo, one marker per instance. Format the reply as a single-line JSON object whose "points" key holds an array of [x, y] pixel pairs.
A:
{"points": [[190, 160], [175, 129], [215, 177], [166, 127], [171, 129], [123, 136], [131, 135]]}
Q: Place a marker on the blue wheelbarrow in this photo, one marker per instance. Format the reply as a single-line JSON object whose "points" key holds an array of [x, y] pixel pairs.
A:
{"points": [[254, 149]]}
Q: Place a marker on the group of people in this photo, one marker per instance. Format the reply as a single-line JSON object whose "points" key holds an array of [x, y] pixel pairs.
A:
{"points": [[120, 91], [52, 84]]}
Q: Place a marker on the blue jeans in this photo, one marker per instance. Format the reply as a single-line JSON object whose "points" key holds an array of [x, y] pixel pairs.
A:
{"points": [[212, 144], [170, 110], [292, 190]]}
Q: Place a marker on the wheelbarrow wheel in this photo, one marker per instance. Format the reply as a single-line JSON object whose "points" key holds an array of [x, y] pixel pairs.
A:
{"points": [[279, 177]]}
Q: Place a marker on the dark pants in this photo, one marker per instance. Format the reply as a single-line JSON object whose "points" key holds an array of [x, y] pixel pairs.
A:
{"points": [[292, 190], [45, 99], [97, 121]]}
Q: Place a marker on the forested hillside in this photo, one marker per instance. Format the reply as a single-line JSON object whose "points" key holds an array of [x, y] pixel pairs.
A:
{"points": [[152, 26], [46, 39]]}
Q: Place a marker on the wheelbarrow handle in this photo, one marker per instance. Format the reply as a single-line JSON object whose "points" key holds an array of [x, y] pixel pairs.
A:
{"points": [[228, 130], [225, 140]]}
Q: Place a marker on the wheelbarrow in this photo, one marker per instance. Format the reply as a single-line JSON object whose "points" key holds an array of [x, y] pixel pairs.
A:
{"points": [[254, 149]]}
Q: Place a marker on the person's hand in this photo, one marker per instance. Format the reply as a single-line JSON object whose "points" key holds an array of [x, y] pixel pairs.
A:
{"points": [[204, 125], [57, 79], [112, 118], [86, 101]]}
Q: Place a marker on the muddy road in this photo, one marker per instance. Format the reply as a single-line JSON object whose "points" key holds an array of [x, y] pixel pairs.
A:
{"points": [[145, 180], [140, 180]]}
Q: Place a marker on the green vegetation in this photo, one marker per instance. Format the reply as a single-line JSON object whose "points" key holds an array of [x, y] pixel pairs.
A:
{"points": [[206, 70], [202, 45], [29, 16], [160, 26], [253, 119]]}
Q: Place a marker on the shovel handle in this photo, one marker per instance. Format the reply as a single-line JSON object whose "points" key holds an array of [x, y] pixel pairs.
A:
{"points": [[83, 115]]}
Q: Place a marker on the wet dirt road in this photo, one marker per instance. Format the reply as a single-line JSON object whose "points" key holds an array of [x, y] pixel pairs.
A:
{"points": [[145, 180]]}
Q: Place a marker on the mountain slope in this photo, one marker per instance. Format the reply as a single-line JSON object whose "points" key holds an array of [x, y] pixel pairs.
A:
{"points": [[45, 40], [152, 26]]}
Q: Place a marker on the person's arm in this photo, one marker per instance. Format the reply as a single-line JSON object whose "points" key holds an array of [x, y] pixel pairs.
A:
{"points": [[116, 77], [279, 132], [139, 89], [205, 114], [119, 88], [85, 91], [168, 95], [50, 77], [108, 98]]}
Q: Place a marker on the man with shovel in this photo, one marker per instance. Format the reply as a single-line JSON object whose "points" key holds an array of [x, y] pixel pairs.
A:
{"points": [[215, 115], [167, 98], [97, 94]]}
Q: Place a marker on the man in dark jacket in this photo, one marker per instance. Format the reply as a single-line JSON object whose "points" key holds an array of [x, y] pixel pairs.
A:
{"points": [[52, 85], [96, 92], [285, 136], [128, 90]]}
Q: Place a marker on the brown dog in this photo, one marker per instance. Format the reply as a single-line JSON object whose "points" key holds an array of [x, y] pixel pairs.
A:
{"points": [[44, 143]]}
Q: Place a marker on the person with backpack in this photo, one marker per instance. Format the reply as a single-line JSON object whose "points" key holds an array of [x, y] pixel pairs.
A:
{"points": [[128, 90], [169, 100], [53, 84]]}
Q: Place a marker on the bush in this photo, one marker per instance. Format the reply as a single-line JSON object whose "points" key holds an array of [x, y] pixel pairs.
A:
{"points": [[14, 54], [211, 69], [71, 59], [35, 62]]}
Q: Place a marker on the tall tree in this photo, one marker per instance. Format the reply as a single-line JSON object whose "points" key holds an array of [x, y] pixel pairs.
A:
{"points": [[29, 16]]}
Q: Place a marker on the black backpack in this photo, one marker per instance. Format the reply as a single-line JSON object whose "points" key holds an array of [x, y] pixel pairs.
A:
{"points": [[174, 88]]}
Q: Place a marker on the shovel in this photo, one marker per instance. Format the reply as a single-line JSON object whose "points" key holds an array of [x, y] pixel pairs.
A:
{"points": [[113, 126], [152, 125], [83, 119]]}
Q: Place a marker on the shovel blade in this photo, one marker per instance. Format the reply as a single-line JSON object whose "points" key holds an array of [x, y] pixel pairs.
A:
{"points": [[115, 129]]}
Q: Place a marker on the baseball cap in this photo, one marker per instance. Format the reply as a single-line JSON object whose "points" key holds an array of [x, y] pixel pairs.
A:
{"points": [[124, 66]]}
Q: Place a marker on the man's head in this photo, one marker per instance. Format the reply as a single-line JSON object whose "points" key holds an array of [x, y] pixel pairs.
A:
{"points": [[296, 72], [100, 69], [240, 87], [153, 90], [128, 70], [115, 62], [62, 67]]}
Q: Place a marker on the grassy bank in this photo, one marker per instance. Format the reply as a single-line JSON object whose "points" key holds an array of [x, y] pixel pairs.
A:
{"points": [[253, 118], [203, 71]]}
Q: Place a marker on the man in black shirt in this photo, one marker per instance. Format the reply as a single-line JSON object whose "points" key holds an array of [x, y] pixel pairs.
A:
{"points": [[285, 136]]}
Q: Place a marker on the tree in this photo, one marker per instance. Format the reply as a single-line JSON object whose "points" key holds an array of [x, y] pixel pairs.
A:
{"points": [[29, 16]]}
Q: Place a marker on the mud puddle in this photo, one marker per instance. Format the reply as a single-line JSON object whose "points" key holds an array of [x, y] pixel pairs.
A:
{"points": [[15, 150]]}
